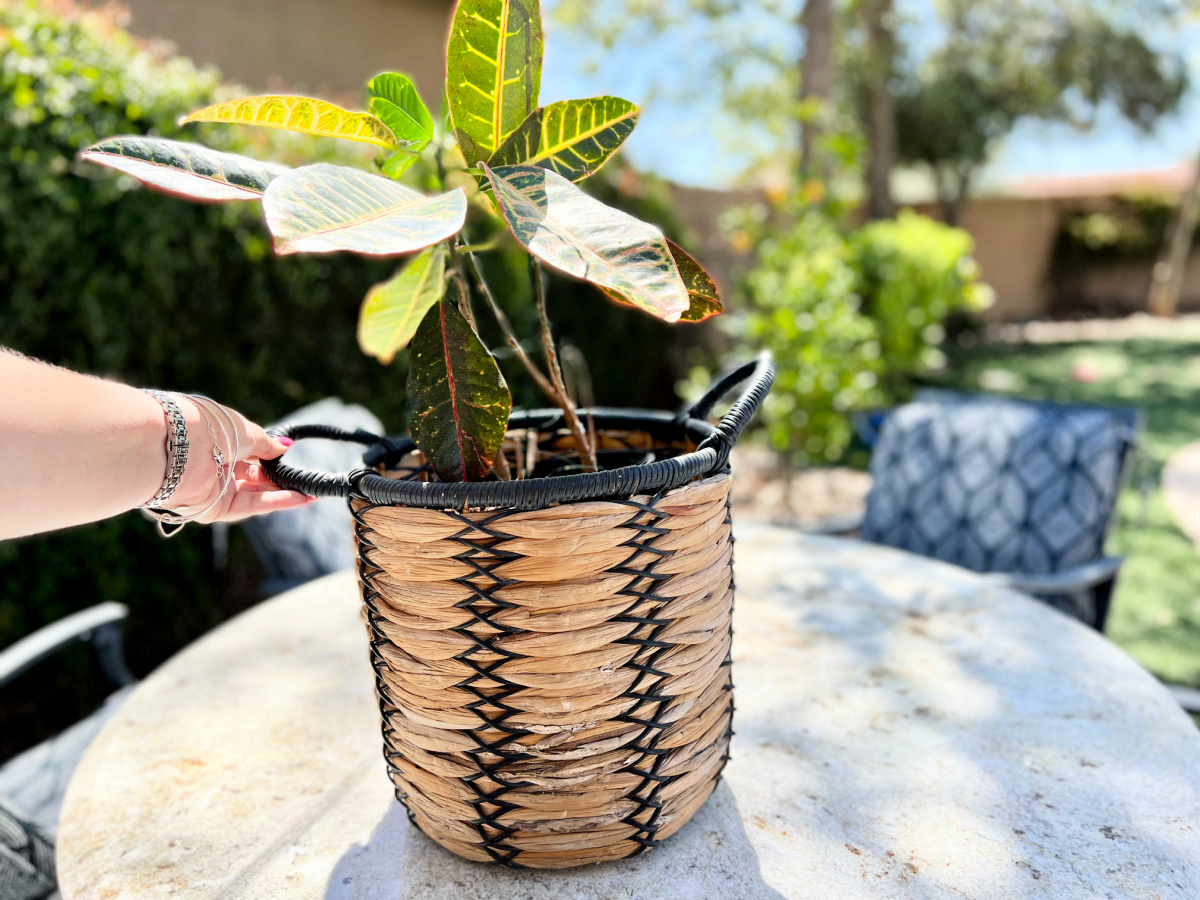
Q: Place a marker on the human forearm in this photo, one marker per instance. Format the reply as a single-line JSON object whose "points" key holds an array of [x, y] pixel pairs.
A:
{"points": [[76, 449]]}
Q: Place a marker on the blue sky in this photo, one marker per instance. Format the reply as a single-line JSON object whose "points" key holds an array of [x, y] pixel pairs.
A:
{"points": [[679, 138]]}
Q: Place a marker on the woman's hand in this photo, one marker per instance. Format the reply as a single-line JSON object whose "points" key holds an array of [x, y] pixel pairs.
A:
{"points": [[250, 492], [76, 449]]}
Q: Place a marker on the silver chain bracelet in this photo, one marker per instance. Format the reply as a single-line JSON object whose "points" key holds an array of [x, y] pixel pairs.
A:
{"points": [[177, 448], [170, 521]]}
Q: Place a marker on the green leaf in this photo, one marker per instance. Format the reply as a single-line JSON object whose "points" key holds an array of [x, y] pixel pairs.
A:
{"points": [[186, 170], [573, 137], [702, 290], [395, 102], [391, 310], [577, 234], [397, 164], [458, 402], [493, 71], [303, 114], [323, 208]]}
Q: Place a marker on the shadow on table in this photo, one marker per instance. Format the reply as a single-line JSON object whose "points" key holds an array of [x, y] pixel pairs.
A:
{"points": [[1063, 745], [711, 856]]}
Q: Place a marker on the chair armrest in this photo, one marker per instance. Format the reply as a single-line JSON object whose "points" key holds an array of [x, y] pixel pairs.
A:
{"points": [[836, 526], [99, 624], [1067, 581], [1187, 697]]}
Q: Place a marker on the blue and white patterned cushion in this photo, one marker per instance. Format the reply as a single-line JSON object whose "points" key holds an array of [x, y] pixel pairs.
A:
{"points": [[996, 485]]}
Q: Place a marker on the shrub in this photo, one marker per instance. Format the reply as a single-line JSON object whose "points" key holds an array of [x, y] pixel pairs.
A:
{"points": [[912, 273], [851, 318], [104, 277]]}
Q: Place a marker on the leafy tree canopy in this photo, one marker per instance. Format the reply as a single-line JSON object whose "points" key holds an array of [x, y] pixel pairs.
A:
{"points": [[1007, 60]]}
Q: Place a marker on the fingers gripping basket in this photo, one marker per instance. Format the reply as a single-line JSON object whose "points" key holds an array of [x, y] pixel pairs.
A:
{"points": [[552, 655]]}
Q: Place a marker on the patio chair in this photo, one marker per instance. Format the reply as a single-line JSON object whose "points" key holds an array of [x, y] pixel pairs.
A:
{"points": [[298, 545], [1022, 490], [32, 784]]}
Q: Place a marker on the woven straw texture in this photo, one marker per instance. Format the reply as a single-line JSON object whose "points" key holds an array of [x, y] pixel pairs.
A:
{"points": [[554, 684]]}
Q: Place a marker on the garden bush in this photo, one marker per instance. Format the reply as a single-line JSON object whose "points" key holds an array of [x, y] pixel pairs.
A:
{"points": [[104, 277], [852, 317]]}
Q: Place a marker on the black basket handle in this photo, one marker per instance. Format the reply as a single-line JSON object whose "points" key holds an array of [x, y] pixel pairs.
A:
{"points": [[328, 484], [761, 374], [711, 455]]}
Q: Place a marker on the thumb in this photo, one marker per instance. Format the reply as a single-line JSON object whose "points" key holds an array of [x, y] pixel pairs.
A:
{"points": [[265, 446]]}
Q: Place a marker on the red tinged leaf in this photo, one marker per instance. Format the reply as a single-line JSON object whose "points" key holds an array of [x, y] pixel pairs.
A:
{"points": [[458, 401], [704, 299], [577, 234]]}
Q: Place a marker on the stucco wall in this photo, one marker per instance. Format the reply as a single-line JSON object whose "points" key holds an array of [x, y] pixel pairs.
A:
{"points": [[327, 47], [1014, 244]]}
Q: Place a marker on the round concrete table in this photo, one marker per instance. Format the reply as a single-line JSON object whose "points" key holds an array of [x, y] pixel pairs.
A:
{"points": [[903, 730]]}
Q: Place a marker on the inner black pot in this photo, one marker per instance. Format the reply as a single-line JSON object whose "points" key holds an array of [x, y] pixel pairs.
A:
{"points": [[669, 451]]}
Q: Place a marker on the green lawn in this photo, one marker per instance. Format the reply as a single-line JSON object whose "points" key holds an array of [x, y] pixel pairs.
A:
{"points": [[1156, 612]]}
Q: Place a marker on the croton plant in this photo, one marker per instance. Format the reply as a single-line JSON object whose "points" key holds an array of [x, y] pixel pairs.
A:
{"points": [[525, 160]]}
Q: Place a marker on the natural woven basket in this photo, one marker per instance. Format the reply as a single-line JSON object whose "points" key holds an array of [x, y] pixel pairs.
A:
{"points": [[553, 674]]}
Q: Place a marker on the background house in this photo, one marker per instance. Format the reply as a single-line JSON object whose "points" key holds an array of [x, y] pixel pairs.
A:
{"points": [[325, 48]]}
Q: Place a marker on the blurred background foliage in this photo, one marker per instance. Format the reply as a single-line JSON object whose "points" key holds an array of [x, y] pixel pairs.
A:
{"points": [[102, 277], [852, 316]]}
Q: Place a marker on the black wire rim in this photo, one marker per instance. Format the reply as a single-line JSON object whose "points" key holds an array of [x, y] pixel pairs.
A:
{"points": [[714, 442]]}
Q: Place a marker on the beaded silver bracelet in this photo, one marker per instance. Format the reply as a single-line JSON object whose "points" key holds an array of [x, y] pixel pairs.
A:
{"points": [[171, 521], [177, 448]]}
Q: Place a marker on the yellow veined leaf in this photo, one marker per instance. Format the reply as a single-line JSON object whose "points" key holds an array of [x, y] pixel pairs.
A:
{"points": [[303, 114], [493, 71], [572, 137], [392, 310]]}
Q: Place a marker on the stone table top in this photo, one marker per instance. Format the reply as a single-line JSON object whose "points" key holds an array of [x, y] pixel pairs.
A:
{"points": [[903, 730]]}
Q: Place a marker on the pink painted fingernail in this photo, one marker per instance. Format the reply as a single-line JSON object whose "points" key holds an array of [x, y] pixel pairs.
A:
{"points": [[287, 442]]}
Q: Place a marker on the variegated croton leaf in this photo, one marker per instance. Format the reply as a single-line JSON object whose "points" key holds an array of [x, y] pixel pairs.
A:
{"points": [[705, 299], [577, 234], [303, 114], [323, 208], [572, 137], [493, 71], [458, 401], [185, 170]]}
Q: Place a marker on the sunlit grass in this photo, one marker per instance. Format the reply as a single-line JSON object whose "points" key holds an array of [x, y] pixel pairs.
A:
{"points": [[1156, 610]]}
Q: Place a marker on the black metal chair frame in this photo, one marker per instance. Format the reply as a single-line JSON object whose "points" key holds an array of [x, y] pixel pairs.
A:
{"points": [[25, 851]]}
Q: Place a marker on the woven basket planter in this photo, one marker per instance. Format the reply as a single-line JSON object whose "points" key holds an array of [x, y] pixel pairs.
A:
{"points": [[552, 654]]}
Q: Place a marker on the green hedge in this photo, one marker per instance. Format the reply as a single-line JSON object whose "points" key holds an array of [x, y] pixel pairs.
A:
{"points": [[104, 277]]}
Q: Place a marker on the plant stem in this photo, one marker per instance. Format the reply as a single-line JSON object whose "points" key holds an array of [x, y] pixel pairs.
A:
{"points": [[490, 244], [464, 293], [510, 338], [586, 453], [500, 466]]}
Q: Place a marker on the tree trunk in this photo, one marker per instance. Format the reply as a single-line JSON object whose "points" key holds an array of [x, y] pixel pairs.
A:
{"points": [[962, 188], [816, 83], [881, 107], [1166, 280]]}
